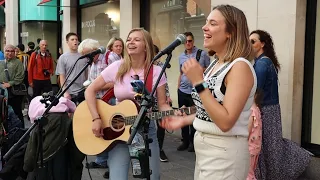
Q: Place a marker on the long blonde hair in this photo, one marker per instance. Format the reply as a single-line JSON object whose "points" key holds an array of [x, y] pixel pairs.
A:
{"points": [[238, 45], [126, 65]]}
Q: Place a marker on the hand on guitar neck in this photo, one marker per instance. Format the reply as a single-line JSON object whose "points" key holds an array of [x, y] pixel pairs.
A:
{"points": [[115, 124], [179, 120]]}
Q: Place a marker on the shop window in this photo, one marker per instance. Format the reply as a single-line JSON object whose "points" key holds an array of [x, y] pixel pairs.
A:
{"points": [[315, 123], [172, 17], [101, 22], [31, 31]]}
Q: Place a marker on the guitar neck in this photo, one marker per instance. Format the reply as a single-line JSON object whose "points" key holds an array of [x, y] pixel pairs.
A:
{"points": [[159, 115]]}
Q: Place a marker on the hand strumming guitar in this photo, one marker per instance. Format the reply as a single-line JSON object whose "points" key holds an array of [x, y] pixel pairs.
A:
{"points": [[97, 127]]}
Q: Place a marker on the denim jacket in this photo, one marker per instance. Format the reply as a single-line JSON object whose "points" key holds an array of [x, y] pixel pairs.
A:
{"points": [[267, 80]]}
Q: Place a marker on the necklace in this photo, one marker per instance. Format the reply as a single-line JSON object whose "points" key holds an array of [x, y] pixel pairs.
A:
{"points": [[138, 72]]}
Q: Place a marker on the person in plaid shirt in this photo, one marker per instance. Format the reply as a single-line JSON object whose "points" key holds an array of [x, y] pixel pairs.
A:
{"points": [[114, 53]]}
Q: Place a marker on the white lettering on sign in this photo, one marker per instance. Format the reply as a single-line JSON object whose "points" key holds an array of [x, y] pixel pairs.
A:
{"points": [[24, 34], [88, 24]]}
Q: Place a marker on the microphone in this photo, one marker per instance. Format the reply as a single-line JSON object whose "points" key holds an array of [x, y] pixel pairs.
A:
{"points": [[181, 39], [100, 50]]}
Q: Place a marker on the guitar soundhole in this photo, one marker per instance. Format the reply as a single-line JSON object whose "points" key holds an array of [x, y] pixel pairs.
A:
{"points": [[117, 123]]}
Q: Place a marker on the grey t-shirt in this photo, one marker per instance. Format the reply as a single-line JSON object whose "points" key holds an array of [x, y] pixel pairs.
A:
{"points": [[65, 63]]}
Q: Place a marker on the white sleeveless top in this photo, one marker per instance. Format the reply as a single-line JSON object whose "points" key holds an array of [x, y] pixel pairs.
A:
{"points": [[203, 122]]}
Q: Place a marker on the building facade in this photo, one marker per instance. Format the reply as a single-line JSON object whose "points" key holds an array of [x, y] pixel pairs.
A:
{"points": [[293, 24]]}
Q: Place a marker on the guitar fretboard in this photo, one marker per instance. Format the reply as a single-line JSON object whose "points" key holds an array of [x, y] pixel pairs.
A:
{"points": [[159, 115]]}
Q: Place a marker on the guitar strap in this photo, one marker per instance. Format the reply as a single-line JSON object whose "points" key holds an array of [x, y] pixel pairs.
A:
{"points": [[150, 79], [110, 92]]}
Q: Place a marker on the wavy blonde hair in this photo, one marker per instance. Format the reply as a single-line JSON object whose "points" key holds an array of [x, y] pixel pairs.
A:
{"points": [[126, 65], [111, 42], [238, 45]]}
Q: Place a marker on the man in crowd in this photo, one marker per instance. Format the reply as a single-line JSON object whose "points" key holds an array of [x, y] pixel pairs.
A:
{"points": [[185, 87], [40, 70], [68, 64]]}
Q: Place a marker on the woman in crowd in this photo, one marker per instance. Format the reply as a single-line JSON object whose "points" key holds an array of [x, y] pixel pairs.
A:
{"points": [[16, 76], [223, 96], [137, 58], [115, 48], [279, 158], [114, 53]]}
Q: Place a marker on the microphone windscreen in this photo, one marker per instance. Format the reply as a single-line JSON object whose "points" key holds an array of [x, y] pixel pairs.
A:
{"points": [[182, 38], [102, 49]]}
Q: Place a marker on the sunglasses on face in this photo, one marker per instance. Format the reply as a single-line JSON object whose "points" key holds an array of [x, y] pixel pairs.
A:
{"points": [[252, 41], [10, 51]]}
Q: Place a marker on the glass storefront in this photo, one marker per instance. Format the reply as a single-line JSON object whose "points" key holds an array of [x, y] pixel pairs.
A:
{"points": [[315, 123], [173, 17], [31, 31], [101, 22]]}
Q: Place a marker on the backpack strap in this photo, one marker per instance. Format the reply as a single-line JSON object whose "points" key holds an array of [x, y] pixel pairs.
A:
{"points": [[107, 57], [198, 56]]}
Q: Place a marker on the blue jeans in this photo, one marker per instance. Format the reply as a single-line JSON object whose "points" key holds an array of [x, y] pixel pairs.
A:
{"points": [[119, 159], [102, 159]]}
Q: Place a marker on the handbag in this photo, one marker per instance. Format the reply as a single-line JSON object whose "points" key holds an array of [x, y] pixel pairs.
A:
{"points": [[16, 90]]}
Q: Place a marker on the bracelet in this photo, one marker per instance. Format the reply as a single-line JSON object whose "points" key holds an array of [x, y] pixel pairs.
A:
{"points": [[96, 119]]}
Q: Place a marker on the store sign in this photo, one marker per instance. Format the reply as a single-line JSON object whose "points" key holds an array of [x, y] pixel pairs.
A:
{"points": [[88, 24], [24, 34]]}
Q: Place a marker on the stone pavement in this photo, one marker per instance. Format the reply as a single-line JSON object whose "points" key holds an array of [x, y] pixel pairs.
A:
{"points": [[180, 165]]}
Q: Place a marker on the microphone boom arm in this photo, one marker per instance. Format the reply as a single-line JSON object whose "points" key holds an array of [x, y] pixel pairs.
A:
{"points": [[41, 121]]}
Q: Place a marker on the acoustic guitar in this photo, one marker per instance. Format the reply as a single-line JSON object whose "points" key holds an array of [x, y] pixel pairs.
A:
{"points": [[116, 123]]}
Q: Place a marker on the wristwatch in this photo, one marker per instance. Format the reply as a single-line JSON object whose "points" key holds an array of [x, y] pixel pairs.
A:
{"points": [[201, 87]]}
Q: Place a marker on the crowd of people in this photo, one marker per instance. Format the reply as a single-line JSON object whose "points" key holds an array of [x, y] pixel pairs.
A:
{"points": [[236, 132]]}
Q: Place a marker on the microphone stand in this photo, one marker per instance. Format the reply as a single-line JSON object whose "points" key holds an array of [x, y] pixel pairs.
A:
{"points": [[143, 121], [42, 120]]}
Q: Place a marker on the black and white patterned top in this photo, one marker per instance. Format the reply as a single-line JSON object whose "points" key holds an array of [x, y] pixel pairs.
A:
{"points": [[217, 88]]}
